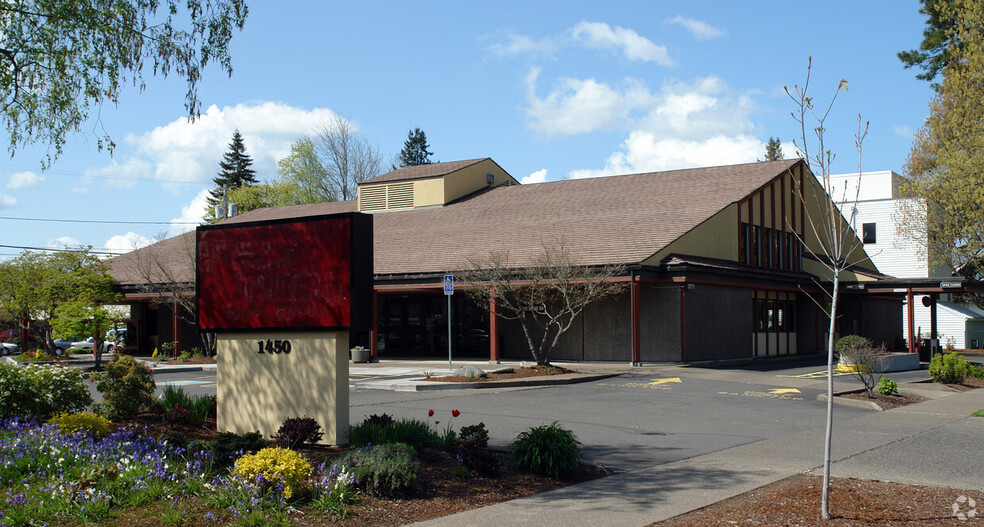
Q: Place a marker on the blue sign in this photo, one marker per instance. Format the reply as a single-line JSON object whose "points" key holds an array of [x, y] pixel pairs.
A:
{"points": [[449, 284]]}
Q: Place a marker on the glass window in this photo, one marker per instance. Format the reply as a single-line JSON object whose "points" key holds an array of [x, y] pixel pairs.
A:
{"points": [[743, 244], [756, 246], [868, 233], [767, 248]]}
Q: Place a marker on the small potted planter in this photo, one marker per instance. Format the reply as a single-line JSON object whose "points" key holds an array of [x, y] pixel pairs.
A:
{"points": [[360, 354]]}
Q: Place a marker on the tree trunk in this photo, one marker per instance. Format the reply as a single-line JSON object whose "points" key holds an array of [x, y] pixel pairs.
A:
{"points": [[825, 493]]}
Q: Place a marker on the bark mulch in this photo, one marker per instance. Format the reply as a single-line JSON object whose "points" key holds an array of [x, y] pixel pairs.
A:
{"points": [[795, 501], [534, 371]]}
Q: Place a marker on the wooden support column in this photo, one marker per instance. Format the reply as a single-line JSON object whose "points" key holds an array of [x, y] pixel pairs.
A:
{"points": [[911, 317], [177, 328], [493, 331], [683, 325], [374, 332], [634, 316]]}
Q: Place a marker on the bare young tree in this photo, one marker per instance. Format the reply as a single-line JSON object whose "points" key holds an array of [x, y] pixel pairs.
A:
{"points": [[544, 295], [864, 359], [835, 240], [167, 272], [346, 156]]}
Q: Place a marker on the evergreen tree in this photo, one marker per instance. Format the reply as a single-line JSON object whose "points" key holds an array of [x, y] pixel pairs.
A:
{"points": [[415, 150], [773, 150], [939, 39], [234, 172]]}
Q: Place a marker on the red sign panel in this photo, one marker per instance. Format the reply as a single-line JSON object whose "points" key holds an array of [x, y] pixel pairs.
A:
{"points": [[295, 274]]}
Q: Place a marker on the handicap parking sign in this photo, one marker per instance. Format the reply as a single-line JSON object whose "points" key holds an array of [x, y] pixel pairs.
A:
{"points": [[449, 284]]}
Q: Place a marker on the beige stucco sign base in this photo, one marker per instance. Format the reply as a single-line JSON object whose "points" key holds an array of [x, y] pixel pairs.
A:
{"points": [[257, 391]]}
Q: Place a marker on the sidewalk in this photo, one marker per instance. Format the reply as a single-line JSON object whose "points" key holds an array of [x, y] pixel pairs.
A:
{"points": [[930, 443]]}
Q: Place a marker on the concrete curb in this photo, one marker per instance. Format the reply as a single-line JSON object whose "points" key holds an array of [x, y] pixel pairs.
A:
{"points": [[853, 403], [546, 380]]}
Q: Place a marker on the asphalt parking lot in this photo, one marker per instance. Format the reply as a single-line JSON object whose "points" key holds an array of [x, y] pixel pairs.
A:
{"points": [[646, 416]]}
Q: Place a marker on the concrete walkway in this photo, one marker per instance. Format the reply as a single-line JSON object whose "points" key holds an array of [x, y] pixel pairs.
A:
{"points": [[935, 442]]}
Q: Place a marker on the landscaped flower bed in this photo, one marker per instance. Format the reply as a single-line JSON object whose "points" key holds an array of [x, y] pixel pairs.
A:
{"points": [[63, 468]]}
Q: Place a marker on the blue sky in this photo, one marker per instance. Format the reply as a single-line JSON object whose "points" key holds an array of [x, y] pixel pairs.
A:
{"points": [[549, 90]]}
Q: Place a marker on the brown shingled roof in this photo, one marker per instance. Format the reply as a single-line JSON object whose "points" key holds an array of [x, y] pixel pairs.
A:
{"points": [[422, 171], [616, 219]]}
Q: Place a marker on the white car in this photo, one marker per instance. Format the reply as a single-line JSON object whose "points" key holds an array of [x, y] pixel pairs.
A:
{"points": [[86, 344], [8, 348]]}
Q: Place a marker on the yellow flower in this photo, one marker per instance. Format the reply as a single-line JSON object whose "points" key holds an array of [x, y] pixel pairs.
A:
{"points": [[275, 463]]}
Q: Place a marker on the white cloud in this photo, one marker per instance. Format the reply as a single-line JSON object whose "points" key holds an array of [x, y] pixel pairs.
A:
{"points": [[633, 46], [703, 123], [120, 175], [644, 152], [183, 152], [80, 190], [7, 202], [582, 105], [192, 213], [537, 177], [124, 243], [700, 30], [702, 109], [903, 131], [517, 44], [24, 180], [63, 242]]}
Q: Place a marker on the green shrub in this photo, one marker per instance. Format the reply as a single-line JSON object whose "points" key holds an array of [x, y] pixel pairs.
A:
{"points": [[296, 431], [41, 392], [975, 371], [96, 425], [887, 386], [184, 356], [473, 451], [948, 369], [413, 432], [383, 470], [550, 450], [229, 446], [127, 386], [275, 463], [180, 407], [167, 349]]}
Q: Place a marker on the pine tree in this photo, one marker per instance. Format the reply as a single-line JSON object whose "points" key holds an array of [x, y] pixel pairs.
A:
{"points": [[234, 172], [415, 150], [773, 150]]}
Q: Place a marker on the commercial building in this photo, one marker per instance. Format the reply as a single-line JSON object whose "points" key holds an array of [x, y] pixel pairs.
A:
{"points": [[719, 263], [934, 290]]}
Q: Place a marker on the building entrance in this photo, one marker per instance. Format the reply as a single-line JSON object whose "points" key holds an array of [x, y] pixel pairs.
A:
{"points": [[416, 326]]}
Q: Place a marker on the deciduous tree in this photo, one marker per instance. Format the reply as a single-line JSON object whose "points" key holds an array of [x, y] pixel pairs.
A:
{"points": [[835, 240], [544, 294], [58, 59], [347, 158], [34, 285], [944, 214]]}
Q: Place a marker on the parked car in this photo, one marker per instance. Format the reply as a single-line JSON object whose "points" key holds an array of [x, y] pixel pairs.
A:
{"points": [[60, 345], [8, 348], [108, 345]]}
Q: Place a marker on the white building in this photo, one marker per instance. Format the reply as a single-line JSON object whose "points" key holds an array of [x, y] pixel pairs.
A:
{"points": [[897, 256]]}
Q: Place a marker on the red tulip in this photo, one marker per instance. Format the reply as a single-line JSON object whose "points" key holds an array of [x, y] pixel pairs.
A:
{"points": [[430, 413], [437, 422], [455, 413]]}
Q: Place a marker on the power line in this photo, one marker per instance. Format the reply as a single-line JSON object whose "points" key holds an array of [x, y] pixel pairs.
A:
{"points": [[111, 222], [109, 252], [63, 172]]}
